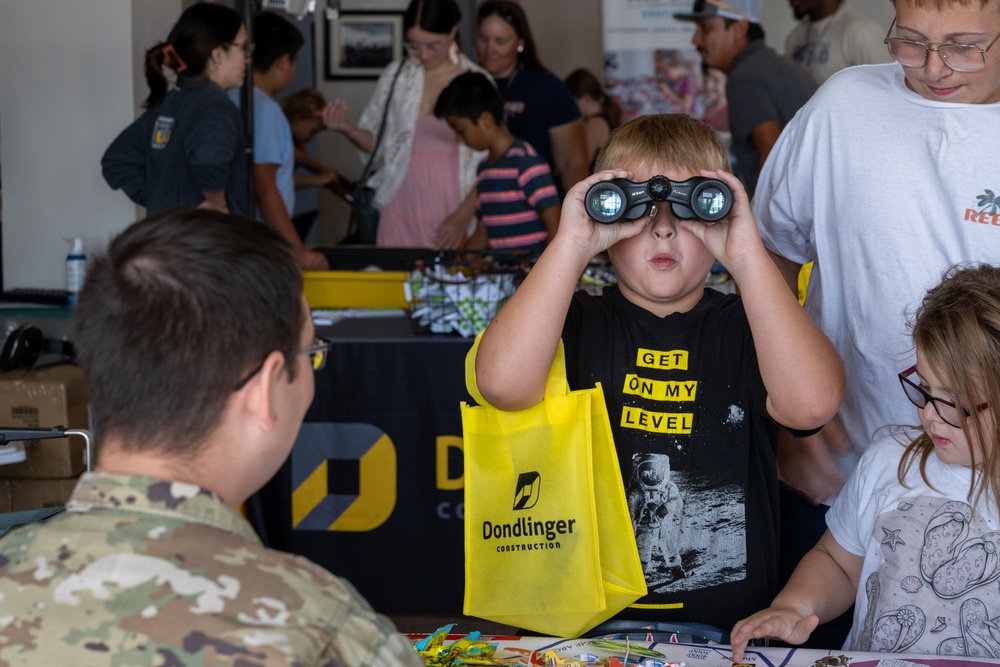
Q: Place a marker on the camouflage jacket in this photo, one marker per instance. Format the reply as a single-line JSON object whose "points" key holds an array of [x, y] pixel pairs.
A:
{"points": [[141, 571]]}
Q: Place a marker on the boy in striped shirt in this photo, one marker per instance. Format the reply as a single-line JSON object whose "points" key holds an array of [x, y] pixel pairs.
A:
{"points": [[517, 204]]}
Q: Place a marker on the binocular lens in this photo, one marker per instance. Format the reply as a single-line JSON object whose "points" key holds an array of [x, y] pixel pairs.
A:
{"points": [[711, 201], [606, 202], [707, 199]]}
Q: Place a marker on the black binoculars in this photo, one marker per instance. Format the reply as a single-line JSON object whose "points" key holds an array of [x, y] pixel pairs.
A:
{"points": [[707, 199]]}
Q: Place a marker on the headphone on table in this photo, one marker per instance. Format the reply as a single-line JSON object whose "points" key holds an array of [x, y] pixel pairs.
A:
{"points": [[26, 343]]}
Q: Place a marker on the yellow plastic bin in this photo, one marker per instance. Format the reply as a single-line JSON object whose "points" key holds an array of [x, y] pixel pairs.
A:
{"points": [[355, 289], [362, 277]]}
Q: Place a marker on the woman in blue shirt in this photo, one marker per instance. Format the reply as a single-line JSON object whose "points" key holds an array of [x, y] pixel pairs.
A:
{"points": [[187, 148]]}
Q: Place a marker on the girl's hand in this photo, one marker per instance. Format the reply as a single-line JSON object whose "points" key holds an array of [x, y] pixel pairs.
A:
{"points": [[334, 116], [785, 624]]}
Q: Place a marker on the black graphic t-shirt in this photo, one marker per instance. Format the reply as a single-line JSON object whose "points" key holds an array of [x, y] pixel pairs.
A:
{"points": [[696, 449]]}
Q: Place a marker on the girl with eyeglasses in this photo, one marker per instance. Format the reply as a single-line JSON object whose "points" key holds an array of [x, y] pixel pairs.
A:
{"points": [[425, 182], [187, 148], [914, 538]]}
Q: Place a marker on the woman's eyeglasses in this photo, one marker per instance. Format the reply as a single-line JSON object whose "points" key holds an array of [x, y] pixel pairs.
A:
{"points": [[947, 411], [317, 352], [959, 57], [247, 47], [415, 49]]}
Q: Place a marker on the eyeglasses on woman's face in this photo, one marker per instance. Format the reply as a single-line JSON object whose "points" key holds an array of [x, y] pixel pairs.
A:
{"points": [[247, 47], [415, 48]]}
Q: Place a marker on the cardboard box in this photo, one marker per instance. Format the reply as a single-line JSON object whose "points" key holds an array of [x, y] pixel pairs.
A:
{"points": [[45, 398], [17, 495]]}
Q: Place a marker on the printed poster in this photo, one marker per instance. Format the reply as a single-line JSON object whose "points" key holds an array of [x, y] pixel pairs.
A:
{"points": [[650, 65]]}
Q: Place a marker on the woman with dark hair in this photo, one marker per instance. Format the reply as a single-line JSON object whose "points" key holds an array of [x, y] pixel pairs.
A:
{"points": [[425, 182], [187, 148], [538, 106], [601, 113]]}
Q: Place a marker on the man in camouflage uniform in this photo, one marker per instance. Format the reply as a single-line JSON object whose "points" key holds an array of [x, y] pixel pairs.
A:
{"points": [[199, 353]]}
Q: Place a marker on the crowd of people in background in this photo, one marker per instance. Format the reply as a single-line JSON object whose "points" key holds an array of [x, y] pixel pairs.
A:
{"points": [[424, 178], [827, 165], [733, 82]]}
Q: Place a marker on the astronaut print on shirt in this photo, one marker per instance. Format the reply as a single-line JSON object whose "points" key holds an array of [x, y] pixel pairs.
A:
{"points": [[687, 505]]}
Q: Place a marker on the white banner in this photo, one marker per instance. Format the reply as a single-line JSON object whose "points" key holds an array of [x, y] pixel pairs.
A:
{"points": [[650, 65]]}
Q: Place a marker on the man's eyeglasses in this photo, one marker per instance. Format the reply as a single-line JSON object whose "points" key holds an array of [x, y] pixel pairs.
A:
{"points": [[317, 352], [948, 411], [247, 47], [317, 357], [959, 57]]}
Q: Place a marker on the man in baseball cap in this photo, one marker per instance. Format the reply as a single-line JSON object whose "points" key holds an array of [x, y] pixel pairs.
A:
{"points": [[764, 89], [748, 10]]}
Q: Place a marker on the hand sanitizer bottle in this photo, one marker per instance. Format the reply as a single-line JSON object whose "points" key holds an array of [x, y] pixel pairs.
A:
{"points": [[76, 269]]}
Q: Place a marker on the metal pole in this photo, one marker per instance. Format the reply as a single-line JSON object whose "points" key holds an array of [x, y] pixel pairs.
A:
{"points": [[247, 10]]}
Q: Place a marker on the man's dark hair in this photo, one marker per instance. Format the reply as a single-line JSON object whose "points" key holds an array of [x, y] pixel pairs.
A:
{"points": [[468, 96], [755, 32], [179, 309], [274, 37]]}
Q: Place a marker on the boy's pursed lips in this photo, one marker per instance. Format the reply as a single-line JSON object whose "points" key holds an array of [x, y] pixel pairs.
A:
{"points": [[663, 259]]}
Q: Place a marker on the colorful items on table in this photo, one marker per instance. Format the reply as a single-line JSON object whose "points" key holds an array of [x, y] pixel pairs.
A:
{"points": [[470, 651], [446, 302], [465, 651]]}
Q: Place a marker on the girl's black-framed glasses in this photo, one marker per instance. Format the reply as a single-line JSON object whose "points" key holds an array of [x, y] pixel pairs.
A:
{"points": [[947, 411]]}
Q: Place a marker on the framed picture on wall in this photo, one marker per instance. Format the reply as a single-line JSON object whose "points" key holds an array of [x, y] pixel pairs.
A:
{"points": [[360, 45]]}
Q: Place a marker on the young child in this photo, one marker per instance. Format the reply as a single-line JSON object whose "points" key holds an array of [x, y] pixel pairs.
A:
{"points": [[304, 109], [914, 538], [517, 204], [277, 44], [601, 112], [715, 113], [696, 381]]}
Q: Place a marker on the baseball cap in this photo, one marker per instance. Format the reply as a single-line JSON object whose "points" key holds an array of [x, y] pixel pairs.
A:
{"points": [[727, 9]]}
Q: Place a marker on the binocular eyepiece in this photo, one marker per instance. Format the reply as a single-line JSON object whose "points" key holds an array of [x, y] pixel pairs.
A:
{"points": [[707, 199]]}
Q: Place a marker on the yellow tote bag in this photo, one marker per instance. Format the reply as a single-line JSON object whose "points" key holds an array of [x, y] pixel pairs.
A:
{"points": [[549, 545]]}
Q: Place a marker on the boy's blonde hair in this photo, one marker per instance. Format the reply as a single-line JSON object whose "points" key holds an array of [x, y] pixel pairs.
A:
{"points": [[957, 328], [303, 104], [660, 139]]}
